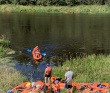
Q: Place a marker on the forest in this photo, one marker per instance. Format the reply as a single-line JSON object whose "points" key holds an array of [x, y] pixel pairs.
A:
{"points": [[56, 2]]}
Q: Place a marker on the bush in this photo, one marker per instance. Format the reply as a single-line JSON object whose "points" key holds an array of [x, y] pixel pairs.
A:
{"points": [[2, 52]]}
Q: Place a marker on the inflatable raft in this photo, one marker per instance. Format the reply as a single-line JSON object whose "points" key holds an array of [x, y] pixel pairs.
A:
{"points": [[84, 87], [20, 87], [36, 54], [35, 87]]}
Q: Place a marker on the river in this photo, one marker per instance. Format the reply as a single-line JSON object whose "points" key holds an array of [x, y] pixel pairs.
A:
{"points": [[56, 35]]}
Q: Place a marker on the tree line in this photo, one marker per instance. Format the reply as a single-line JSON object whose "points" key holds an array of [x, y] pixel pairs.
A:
{"points": [[56, 2]]}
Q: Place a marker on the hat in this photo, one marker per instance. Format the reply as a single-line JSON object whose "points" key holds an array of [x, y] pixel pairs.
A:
{"points": [[47, 64], [56, 81]]}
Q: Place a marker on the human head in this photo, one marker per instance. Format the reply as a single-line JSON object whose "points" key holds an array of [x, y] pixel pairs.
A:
{"points": [[56, 81], [47, 64], [68, 68]]}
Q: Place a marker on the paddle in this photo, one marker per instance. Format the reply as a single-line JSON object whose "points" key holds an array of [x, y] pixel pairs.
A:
{"points": [[30, 50]]}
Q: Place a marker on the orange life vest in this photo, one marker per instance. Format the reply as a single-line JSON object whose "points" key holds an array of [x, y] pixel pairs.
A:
{"points": [[48, 70]]}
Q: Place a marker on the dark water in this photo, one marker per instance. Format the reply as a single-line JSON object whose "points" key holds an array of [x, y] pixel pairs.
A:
{"points": [[56, 35]]}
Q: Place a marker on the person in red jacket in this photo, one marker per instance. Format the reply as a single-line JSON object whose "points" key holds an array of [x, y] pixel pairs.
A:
{"points": [[56, 87], [47, 74]]}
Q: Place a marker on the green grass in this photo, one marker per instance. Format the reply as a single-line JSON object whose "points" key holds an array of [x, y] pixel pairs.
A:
{"points": [[4, 45], [88, 9], [9, 78], [2, 52], [88, 70]]}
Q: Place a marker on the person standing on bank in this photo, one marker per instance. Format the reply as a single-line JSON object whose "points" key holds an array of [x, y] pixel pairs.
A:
{"points": [[47, 74], [68, 77]]}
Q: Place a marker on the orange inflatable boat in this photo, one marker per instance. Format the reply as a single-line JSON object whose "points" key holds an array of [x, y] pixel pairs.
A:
{"points": [[37, 87], [85, 87], [62, 83], [21, 87], [36, 54]]}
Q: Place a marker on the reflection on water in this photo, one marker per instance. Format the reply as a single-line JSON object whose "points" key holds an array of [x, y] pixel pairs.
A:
{"points": [[60, 36]]}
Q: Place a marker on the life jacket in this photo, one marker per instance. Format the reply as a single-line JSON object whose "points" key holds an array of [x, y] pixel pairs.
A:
{"points": [[28, 84], [48, 70], [57, 88]]}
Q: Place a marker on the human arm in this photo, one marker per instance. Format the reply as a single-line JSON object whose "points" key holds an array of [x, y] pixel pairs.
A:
{"points": [[72, 76], [65, 77]]}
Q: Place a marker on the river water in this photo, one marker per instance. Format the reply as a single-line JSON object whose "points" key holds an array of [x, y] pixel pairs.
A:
{"points": [[56, 35]]}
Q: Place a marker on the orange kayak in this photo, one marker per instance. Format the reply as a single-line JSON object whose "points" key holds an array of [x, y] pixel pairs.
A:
{"points": [[62, 84], [37, 58], [36, 54], [85, 87], [30, 88], [21, 87]]}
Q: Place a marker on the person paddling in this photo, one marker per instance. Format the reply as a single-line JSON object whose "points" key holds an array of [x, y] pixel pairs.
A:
{"points": [[47, 74]]}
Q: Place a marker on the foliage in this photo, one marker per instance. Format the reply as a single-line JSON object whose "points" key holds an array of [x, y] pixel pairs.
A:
{"points": [[90, 9], [5, 43], [2, 52], [55, 2]]}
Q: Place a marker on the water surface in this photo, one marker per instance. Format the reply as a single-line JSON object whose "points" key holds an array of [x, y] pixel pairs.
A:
{"points": [[56, 35]]}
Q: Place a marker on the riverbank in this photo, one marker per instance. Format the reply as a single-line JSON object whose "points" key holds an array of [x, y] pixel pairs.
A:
{"points": [[9, 77], [86, 9], [89, 69]]}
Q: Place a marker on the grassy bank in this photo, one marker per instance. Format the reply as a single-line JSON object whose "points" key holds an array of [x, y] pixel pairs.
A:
{"points": [[9, 77], [89, 69], [90, 9]]}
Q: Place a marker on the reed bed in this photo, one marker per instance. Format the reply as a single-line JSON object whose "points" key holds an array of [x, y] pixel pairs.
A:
{"points": [[88, 9], [89, 69]]}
